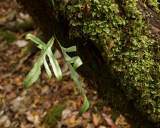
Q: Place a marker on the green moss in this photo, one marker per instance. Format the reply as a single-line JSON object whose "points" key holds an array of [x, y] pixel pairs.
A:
{"points": [[8, 36], [126, 44], [153, 4], [54, 115]]}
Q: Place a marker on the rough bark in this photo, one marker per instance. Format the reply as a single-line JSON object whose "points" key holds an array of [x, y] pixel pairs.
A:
{"points": [[96, 69]]}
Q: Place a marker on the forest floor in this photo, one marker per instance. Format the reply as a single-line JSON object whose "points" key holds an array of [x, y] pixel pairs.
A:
{"points": [[20, 108]]}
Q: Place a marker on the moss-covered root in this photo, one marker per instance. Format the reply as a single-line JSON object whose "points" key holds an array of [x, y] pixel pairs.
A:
{"points": [[54, 115]]}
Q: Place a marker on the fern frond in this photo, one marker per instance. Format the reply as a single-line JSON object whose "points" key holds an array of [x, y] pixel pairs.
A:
{"points": [[36, 70], [46, 51], [77, 62]]}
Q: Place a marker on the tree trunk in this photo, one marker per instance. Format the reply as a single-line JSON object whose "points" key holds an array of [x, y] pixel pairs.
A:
{"points": [[117, 41]]}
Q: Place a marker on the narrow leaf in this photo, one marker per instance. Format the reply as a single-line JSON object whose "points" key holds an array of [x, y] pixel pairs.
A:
{"points": [[53, 2], [70, 49], [36, 70], [47, 68], [33, 75], [77, 63], [85, 105], [71, 59], [40, 43], [74, 75], [55, 66]]}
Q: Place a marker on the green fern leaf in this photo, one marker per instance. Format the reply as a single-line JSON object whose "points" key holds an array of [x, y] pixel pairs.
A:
{"points": [[33, 74], [46, 51], [47, 69], [77, 62], [36, 70], [36, 40]]}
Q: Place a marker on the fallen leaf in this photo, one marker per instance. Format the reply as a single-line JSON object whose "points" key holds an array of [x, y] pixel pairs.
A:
{"points": [[64, 68], [102, 126], [72, 119], [57, 54], [21, 43], [1, 38], [86, 115], [73, 122], [74, 106], [45, 90], [30, 117], [121, 120], [109, 121], [26, 126], [18, 81], [66, 113], [90, 125], [96, 119], [4, 120], [23, 16], [17, 103], [36, 120]]}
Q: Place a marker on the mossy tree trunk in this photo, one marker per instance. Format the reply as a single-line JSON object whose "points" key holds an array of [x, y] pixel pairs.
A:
{"points": [[118, 43]]}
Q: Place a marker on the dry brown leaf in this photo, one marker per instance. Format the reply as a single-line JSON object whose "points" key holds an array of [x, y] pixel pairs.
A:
{"points": [[109, 121], [73, 122], [86, 115], [1, 38], [26, 126], [57, 54], [121, 120], [74, 106], [102, 126], [66, 113], [36, 120], [96, 119], [30, 117], [90, 125], [18, 81], [127, 126], [45, 90], [4, 120], [72, 119]]}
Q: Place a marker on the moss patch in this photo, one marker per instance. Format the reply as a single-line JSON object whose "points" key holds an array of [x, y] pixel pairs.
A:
{"points": [[8, 36], [154, 4], [54, 115]]}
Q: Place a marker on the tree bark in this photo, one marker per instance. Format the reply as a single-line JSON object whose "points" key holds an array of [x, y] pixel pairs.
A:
{"points": [[97, 69]]}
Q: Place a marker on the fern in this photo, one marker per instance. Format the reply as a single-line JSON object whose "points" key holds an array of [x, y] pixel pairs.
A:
{"points": [[46, 51], [36, 70], [76, 63]]}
